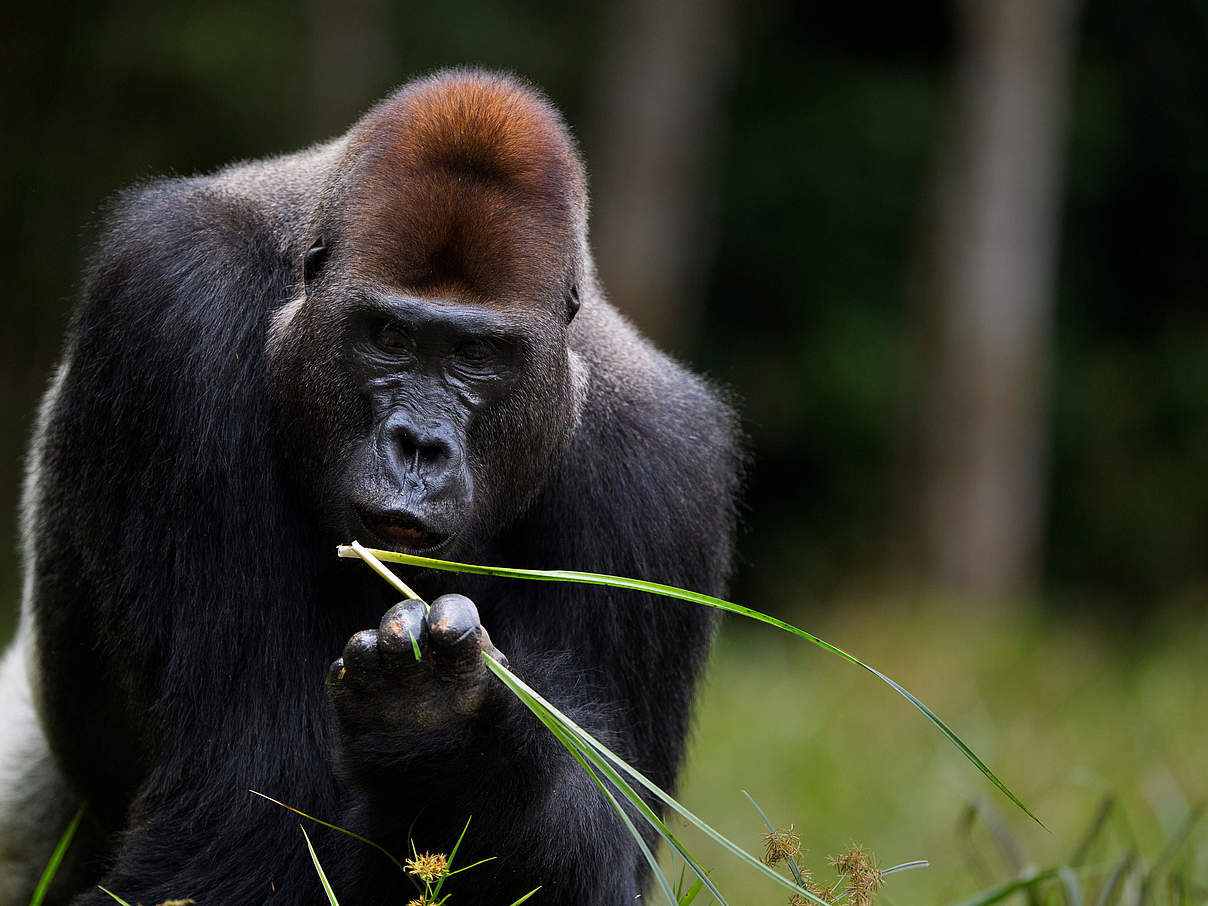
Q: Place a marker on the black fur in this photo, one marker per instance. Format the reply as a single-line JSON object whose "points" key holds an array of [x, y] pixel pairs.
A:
{"points": [[187, 602]]}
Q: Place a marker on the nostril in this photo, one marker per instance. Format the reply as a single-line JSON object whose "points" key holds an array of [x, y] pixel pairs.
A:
{"points": [[419, 451]]}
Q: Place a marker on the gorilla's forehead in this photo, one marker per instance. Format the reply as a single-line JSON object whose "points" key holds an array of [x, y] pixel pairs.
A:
{"points": [[464, 178], [470, 231]]}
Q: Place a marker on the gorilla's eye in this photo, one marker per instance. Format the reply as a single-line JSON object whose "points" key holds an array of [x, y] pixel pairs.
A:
{"points": [[314, 259], [476, 352], [393, 337]]}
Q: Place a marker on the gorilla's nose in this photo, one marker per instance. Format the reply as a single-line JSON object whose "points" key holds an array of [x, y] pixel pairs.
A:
{"points": [[423, 454]]}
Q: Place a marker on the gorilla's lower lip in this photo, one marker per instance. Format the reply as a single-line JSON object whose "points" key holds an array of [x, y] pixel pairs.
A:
{"points": [[404, 533]]}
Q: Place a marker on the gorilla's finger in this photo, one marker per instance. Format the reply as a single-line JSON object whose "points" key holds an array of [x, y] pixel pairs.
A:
{"points": [[454, 628], [403, 629], [361, 657]]}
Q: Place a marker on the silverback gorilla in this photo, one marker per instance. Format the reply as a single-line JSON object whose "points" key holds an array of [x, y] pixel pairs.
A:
{"points": [[396, 337]]}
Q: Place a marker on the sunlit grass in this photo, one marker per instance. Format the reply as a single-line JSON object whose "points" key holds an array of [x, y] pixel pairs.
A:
{"points": [[1070, 712]]}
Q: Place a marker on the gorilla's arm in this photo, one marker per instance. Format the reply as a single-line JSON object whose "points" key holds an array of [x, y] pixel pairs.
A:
{"points": [[179, 653]]}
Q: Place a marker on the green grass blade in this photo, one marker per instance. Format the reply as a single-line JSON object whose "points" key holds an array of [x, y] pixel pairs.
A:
{"points": [[588, 767], [652, 819], [335, 827], [588, 763], [679, 882], [560, 725], [452, 855], [692, 892], [526, 896], [695, 597], [112, 894], [458, 871], [331, 896], [906, 866], [56, 858], [1003, 891], [566, 730]]}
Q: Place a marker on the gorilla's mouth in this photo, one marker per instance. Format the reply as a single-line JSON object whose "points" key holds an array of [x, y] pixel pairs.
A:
{"points": [[404, 532]]}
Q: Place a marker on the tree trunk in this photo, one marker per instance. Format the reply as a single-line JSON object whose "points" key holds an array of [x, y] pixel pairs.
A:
{"points": [[975, 523], [653, 149]]}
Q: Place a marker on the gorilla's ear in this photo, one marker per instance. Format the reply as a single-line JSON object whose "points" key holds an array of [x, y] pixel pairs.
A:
{"points": [[572, 302], [314, 259]]}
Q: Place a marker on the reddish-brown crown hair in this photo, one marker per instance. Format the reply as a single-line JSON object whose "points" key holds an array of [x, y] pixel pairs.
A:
{"points": [[466, 182]]}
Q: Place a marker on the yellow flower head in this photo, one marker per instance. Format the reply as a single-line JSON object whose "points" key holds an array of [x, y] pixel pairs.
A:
{"points": [[428, 868]]}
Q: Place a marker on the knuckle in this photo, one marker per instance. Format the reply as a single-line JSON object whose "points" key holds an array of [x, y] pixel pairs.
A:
{"points": [[454, 620], [361, 647], [404, 626]]}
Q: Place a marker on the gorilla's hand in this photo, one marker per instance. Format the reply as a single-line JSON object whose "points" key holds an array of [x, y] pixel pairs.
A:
{"points": [[380, 688]]}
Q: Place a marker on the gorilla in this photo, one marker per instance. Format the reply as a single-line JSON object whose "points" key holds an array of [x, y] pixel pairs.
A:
{"points": [[396, 337]]}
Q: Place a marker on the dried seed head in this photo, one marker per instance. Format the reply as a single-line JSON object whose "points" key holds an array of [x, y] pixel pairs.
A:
{"points": [[860, 869], [850, 861], [781, 844]]}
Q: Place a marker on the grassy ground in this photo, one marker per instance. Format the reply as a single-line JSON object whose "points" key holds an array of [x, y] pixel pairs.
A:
{"points": [[1065, 713]]}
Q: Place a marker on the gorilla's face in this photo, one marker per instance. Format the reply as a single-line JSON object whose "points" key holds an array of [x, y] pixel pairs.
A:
{"points": [[449, 390], [427, 371], [419, 422], [421, 377]]}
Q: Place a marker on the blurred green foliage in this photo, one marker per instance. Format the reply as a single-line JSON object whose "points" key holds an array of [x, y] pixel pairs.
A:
{"points": [[1066, 713], [838, 118], [833, 124]]}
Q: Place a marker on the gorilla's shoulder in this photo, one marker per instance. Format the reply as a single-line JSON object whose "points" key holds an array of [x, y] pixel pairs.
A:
{"points": [[636, 387], [657, 440], [208, 252], [211, 226]]}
